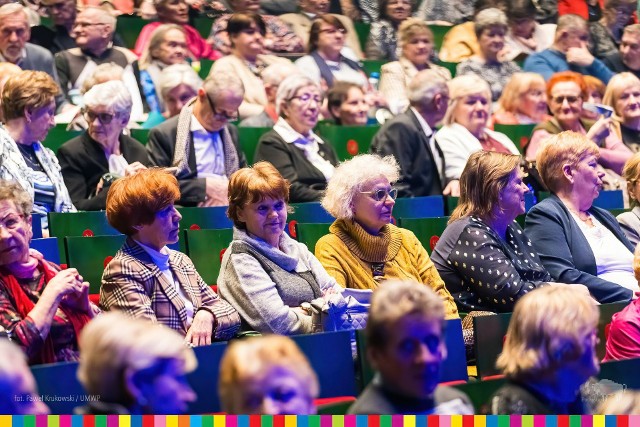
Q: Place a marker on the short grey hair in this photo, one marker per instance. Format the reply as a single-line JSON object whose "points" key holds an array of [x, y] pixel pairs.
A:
{"points": [[225, 80], [288, 88], [425, 86], [13, 8], [487, 18], [351, 176], [101, 74], [462, 86], [176, 75], [274, 74], [113, 94]]}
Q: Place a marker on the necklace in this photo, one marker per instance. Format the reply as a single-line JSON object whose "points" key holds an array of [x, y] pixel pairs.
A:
{"points": [[588, 220]]}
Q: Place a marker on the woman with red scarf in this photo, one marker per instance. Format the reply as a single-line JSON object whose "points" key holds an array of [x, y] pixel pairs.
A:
{"points": [[42, 307]]}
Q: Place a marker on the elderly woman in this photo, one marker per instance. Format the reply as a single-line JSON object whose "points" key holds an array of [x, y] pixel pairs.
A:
{"points": [[178, 84], [267, 376], [134, 367], [525, 35], [578, 242], [167, 46], [483, 256], [416, 43], [623, 95], [630, 221], [146, 279], [593, 93], [523, 101], [266, 275], [42, 307], [28, 106], [606, 33], [91, 161], [347, 104], [328, 61], [382, 42], [549, 353], [405, 336], [246, 33], [490, 27], [176, 12], [300, 155], [464, 129], [565, 96], [362, 247], [18, 390]]}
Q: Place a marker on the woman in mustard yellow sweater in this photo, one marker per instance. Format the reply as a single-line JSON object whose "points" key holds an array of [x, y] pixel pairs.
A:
{"points": [[363, 248]]}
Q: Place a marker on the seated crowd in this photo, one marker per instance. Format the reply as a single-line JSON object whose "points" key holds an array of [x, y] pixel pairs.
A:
{"points": [[441, 111]]}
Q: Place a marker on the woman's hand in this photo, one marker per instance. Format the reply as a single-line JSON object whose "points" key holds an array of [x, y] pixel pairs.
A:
{"points": [[600, 130], [78, 300], [134, 168], [201, 329], [64, 283]]}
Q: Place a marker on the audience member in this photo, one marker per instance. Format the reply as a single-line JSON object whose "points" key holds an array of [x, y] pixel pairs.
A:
{"points": [[91, 161], [630, 221], [327, 62], [177, 84], [363, 248], [310, 10], [593, 93], [623, 95], [382, 42], [589, 10], [135, 367], [607, 31], [525, 35], [42, 307], [578, 242], [549, 353], [483, 256], [568, 52], [405, 335], [443, 12], [302, 157], [564, 94], [148, 280], [56, 38], [176, 12], [18, 389], [416, 44], [628, 57], [278, 37], [246, 33], [167, 46], [490, 27], [347, 104], [625, 402], [200, 144], [464, 129], [523, 101], [7, 69], [28, 107], [267, 376], [265, 274]]}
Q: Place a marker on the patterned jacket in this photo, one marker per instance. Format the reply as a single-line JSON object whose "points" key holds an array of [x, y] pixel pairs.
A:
{"points": [[133, 283]]}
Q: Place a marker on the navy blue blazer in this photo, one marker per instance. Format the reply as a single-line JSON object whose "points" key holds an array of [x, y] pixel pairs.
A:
{"points": [[565, 252]]}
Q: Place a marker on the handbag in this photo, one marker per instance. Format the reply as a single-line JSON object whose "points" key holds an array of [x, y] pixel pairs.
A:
{"points": [[341, 314]]}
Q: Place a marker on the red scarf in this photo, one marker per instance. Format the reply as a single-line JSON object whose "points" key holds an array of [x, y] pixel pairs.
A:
{"points": [[24, 305]]}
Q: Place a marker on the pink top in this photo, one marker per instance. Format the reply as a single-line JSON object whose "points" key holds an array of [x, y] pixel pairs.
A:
{"points": [[624, 334], [197, 45]]}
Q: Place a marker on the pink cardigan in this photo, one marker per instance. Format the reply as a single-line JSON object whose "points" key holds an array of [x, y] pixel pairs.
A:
{"points": [[197, 45]]}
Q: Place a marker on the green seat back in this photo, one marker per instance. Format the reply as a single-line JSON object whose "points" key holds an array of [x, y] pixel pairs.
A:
{"points": [[438, 34], [427, 230], [248, 141], [205, 68], [87, 224], [480, 392], [129, 27], [310, 212], [347, 141], [618, 211], [203, 24], [140, 135], [372, 65], [204, 218], [309, 234], [205, 248], [519, 134], [58, 135], [451, 66], [489, 338], [90, 255], [362, 29]]}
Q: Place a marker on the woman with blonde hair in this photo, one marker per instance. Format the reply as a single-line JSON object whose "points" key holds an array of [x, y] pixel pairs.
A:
{"points": [[363, 248], [464, 129], [267, 376], [523, 101], [623, 95], [630, 221], [548, 354]]}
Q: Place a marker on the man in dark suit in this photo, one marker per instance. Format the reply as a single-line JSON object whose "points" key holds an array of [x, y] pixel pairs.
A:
{"points": [[199, 143], [409, 137]]}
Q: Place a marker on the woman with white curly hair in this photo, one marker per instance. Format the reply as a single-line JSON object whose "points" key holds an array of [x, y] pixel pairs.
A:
{"points": [[363, 248]]}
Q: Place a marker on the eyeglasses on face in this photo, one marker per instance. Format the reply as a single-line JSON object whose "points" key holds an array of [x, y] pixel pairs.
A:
{"points": [[306, 98], [570, 99], [381, 194], [220, 115], [104, 118]]}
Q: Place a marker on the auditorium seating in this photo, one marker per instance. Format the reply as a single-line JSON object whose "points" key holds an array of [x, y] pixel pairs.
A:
{"points": [[205, 248]]}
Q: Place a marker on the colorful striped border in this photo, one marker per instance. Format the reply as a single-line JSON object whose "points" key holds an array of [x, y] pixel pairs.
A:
{"points": [[319, 421]]}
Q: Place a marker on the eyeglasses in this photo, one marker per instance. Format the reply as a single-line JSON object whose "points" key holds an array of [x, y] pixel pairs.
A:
{"points": [[306, 98], [333, 30], [104, 118], [381, 194], [11, 222], [570, 99], [220, 115]]}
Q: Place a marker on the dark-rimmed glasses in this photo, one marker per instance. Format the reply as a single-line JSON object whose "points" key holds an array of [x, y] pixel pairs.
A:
{"points": [[220, 115], [104, 118], [381, 194], [570, 99], [306, 98]]}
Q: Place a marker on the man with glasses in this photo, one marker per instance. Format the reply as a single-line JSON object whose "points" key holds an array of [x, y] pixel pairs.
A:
{"points": [[409, 137], [200, 145]]}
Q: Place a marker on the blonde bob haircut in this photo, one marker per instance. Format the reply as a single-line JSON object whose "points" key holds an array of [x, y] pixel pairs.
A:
{"points": [[27, 90], [252, 184], [250, 360], [517, 86], [484, 176], [351, 177], [396, 299], [564, 148], [113, 345], [548, 329], [631, 174], [411, 27], [618, 84], [462, 86]]}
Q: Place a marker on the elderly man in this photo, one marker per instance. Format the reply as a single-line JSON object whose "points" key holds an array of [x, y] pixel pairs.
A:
{"points": [[406, 346], [301, 22], [568, 52], [628, 59], [409, 137], [200, 145]]}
